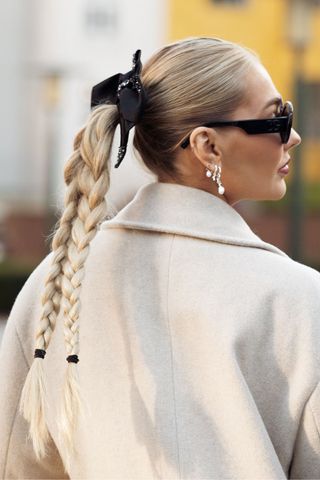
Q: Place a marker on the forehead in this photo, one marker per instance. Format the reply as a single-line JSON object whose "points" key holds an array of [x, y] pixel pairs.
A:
{"points": [[259, 91]]}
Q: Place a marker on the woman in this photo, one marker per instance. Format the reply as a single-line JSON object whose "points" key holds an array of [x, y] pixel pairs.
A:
{"points": [[197, 342]]}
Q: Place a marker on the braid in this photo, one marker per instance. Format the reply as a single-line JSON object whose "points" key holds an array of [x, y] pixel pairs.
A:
{"points": [[91, 211], [51, 297], [87, 177]]}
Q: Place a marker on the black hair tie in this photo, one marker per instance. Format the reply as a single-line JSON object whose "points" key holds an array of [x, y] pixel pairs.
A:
{"points": [[39, 353], [73, 358], [127, 92]]}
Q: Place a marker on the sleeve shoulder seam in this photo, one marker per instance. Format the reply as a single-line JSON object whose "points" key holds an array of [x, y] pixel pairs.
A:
{"points": [[17, 406], [21, 347]]}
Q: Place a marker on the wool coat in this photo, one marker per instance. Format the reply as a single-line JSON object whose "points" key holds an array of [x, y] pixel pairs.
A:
{"points": [[199, 351]]}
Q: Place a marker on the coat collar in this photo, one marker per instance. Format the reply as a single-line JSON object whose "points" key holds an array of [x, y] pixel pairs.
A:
{"points": [[184, 210]]}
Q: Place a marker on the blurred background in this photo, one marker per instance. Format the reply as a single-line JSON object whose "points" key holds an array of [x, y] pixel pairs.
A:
{"points": [[52, 52]]}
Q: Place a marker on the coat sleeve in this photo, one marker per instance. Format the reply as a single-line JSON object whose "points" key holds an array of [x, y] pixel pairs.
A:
{"points": [[305, 463], [17, 459]]}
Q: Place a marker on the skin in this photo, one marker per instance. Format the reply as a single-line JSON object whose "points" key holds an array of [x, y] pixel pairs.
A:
{"points": [[249, 163]]}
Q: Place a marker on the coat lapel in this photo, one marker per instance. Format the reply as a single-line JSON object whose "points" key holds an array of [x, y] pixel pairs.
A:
{"points": [[184, 210]]}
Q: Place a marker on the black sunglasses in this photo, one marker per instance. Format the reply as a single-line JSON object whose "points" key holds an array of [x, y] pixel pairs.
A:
{"points": [[282, 124]]}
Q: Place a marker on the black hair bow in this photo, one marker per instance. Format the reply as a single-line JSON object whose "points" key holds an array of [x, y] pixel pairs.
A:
{"points": [[126, 91]]}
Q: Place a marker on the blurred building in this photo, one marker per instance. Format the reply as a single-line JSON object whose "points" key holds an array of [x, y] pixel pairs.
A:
{"points": [[286, 35], [52, 53]]}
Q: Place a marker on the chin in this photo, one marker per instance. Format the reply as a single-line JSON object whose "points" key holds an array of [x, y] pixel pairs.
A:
{"points": [[279, 193]]}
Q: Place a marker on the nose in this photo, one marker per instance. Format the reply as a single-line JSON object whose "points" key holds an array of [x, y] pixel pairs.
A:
{"points": [[294, 139]]}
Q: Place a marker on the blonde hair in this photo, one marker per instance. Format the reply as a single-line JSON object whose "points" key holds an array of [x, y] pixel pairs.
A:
{"points": [[187, 83]]}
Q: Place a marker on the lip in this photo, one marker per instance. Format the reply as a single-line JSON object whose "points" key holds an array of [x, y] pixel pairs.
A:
{"points": [[285, 167]]}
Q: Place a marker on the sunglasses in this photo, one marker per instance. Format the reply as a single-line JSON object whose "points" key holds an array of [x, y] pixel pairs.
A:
{"points": [[282, 124]]}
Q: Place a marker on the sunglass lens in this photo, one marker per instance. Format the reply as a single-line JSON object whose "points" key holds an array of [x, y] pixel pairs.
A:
{"points": [[287, 112]]}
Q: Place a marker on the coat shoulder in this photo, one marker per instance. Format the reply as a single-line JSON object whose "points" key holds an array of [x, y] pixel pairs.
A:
{"points": [[292, 273]]}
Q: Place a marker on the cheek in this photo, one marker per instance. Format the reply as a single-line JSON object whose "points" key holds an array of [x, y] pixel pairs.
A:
{"points": [[250, 169], [254, 156]]}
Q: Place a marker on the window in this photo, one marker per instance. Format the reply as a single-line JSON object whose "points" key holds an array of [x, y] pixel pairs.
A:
{"points": [[101, 17]]}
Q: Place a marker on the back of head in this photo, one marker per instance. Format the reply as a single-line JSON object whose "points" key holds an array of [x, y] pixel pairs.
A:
{"points": [[188, 83]]}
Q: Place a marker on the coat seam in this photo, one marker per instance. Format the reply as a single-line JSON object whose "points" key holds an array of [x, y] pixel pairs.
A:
{"points": [[21, 347], [313, 413], [15, 413], [172, 358], [9, 441], [307, 404]]}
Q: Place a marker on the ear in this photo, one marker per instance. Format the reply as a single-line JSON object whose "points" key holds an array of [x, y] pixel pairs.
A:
{"points": [[204, 145]]}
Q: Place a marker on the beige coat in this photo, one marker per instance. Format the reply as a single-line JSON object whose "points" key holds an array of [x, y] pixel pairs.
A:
{"points": [[199, 351]]}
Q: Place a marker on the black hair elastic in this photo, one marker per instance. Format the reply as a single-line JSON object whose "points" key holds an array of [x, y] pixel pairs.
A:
{"points": [[39, 353], [73, 358]]}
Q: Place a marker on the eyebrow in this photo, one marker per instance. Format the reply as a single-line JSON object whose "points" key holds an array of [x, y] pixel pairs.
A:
{"points": [[275, 100]]}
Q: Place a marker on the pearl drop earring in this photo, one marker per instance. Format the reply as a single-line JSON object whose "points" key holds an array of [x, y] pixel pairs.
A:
{"points": [[221, 187], [216, 176]]}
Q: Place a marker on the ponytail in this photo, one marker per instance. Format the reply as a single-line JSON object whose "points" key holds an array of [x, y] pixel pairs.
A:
{"points": [[87, 177]]}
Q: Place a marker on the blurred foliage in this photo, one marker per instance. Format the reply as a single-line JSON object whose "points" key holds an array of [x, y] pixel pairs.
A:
{"points": [[13, 275], [14, 267], [311, 200]]}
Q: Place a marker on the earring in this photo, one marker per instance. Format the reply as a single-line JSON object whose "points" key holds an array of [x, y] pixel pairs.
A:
{"points": [[221, 187], [208, 173], [216, 176]]}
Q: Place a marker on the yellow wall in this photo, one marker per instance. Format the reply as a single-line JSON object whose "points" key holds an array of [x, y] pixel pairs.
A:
{"points": [[263, 26]]}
